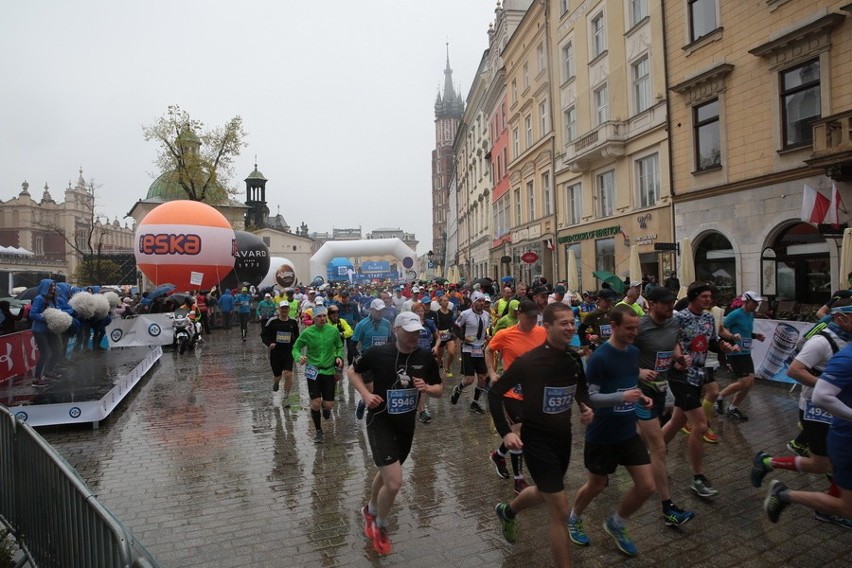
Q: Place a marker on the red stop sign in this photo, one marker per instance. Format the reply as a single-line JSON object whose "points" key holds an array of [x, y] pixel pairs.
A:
{"points": [[529, 257]]}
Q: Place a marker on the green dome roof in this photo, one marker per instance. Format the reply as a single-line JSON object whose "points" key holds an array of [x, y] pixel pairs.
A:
{"points": [[256, 175], [167, 188]]}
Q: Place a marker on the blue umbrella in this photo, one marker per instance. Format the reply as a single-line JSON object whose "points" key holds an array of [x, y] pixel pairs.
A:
{"points": [[161, 290], [506, 279]]}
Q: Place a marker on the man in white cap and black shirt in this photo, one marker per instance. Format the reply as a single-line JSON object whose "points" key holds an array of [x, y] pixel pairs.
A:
{"points": [[738, 328], [473, 327], [279, 334], [398, 373]]}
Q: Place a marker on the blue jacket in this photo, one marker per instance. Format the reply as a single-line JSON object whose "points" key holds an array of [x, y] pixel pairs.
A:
{"points": [[226, 302], [244, 301], [41, 303]]}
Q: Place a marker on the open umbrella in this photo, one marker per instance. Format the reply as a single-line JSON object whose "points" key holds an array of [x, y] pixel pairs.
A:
{"points": [[28, 294], [614, 281], [687, 267], [845, 258], [573, 272], [161, 290]]}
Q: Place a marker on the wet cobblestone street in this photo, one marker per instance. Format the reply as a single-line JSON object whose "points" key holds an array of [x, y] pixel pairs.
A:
{"points": [[207, 469]]}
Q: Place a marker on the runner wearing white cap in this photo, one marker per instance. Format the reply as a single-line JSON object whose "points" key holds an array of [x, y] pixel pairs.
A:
{"points": [[738, 328]]}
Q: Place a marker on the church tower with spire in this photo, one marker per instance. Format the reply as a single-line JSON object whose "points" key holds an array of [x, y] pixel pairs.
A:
{"points": [[449, 108], [258, 211]]}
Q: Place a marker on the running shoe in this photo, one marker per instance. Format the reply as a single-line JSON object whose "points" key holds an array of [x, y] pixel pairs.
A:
{"points": [[368, 521], [711, 437], [40, 383], [499, 465], [318, 437], [833, 519], [702, 488], [381, 540], [454, 398], [719, 407], [759, 469], [772, 505], [520, 485], [622, 541], [736, 414], [507, 525], [576, 533], [425, 416], [449, 374], [474, 407], [359, 410], [797, 448], [687, 429], [674, 516]]}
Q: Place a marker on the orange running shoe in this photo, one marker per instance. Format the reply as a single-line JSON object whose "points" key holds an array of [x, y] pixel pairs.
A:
{"points": [[711, 437], [369, 520], [381, 541]]}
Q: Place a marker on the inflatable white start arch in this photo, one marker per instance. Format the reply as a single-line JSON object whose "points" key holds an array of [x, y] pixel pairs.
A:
{"points": [[365, 247]]}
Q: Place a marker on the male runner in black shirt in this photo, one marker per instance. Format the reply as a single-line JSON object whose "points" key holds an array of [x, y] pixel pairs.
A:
{"points": [[551, 378], [400, 373]]}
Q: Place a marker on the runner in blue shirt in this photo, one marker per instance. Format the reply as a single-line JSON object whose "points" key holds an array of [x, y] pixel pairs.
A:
{"points": [[738, 327], [833, 392], [611, 439]]}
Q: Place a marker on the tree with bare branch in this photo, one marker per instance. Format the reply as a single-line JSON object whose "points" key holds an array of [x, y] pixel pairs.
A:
{"points": [[199, 159]]}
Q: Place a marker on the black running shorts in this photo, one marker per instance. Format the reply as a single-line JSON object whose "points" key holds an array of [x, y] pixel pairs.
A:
{"points": [[547, 459], [473, 365], [280, 363], [816, 433], [322, 387], [687, 397], [741, 365], [390, 440], [512, 406], [603, 459]]}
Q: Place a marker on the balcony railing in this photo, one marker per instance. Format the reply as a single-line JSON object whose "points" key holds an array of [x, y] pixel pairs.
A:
{"points": [[604, 142], [832, 134], [832, 145]]}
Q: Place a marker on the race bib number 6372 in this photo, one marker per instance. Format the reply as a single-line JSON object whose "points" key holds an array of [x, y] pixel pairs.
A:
{"points": [[558, 399]]}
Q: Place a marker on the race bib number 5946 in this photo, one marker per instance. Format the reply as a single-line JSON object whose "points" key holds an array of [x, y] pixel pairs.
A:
{"points": [[401, 401]]}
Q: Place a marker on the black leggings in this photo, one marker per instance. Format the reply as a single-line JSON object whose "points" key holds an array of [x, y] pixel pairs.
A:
{"points": [[49, 352]]}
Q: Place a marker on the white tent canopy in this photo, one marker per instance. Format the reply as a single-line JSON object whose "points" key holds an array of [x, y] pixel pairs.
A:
{"points": [[16, 251], [364, 247]]}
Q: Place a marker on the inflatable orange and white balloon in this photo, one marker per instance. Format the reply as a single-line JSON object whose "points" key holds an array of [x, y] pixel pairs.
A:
{"points": [[185, 243]]}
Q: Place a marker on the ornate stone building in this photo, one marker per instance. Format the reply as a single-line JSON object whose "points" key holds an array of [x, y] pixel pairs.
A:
{"points": [[53, 237]]}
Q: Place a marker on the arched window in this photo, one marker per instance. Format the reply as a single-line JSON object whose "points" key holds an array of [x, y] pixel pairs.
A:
{"points": [[803, 269], [715, 262]]}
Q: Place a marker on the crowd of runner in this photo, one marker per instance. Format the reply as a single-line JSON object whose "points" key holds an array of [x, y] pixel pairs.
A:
{"points": [[638, 366]]}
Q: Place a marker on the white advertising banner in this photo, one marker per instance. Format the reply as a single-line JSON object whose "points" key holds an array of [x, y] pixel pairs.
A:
{"points": [[141, 330], [770, 356]]}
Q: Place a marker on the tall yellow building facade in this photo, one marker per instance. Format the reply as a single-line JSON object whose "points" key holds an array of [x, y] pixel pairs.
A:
{"points": [[761, 106], [611, 171]]}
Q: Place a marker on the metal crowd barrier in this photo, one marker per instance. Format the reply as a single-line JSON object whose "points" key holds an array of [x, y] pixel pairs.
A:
{"points": [[55, 519]]}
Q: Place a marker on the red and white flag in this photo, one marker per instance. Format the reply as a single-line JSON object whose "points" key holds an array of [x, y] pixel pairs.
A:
{"points": [[814, 206], [832, 216]]}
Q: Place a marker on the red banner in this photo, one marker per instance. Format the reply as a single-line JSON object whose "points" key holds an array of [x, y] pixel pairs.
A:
{"points": [[18, 354]]}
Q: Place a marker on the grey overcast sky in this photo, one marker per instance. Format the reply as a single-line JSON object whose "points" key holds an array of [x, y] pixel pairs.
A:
{"points": [[337, 97]]}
